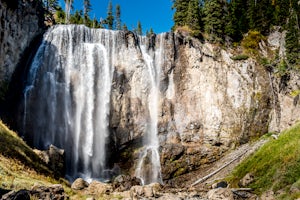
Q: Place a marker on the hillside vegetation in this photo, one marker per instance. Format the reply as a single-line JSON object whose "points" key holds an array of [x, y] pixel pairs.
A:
{"points": [[20, 167], [275, 166]]}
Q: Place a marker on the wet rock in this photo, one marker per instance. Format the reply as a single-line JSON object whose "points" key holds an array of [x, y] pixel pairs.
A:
{"points": [[79, 184], [220, 194], [19, 195], [99, 188]]}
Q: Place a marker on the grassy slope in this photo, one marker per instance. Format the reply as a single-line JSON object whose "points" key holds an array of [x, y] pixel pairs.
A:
{"points": [[275, 166], [20, 167]]}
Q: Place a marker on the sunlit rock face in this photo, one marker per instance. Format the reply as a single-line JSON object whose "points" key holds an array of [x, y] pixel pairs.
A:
{"points": [[156, 106]]}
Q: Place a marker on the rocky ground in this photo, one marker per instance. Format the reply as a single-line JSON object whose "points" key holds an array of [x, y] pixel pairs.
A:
{"points": [[204, 183]]}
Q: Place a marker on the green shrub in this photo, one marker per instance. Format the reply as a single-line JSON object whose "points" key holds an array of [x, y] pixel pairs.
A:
{"points": [[240, 57], [252, 39]]}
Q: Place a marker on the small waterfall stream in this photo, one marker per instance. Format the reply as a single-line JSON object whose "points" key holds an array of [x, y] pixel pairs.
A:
{"points": [[148, 168], [67, 98]]}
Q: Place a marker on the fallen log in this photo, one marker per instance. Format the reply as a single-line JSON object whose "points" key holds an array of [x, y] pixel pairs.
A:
{"points": [[201, 180]]}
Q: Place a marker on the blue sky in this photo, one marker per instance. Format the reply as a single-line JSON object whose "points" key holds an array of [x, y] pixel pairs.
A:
{"points": [[151, 13]]}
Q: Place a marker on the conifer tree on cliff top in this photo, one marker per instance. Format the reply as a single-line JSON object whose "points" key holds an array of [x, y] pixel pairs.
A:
{"points": [[86, 10], [110, 18]]}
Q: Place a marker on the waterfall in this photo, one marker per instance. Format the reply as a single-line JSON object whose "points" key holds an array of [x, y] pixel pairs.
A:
{"points": [[67, 97], [148, 167]]}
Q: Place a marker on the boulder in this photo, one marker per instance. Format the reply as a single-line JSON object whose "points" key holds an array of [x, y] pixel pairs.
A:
{"points": [[57, 160], [295, 189], [19, 195], [246, 180], [222, 184], [99, 188], [268, 195], [54, 158], [55, 191], [220, 194], [125, 182], [146, 191], [79, 184]]}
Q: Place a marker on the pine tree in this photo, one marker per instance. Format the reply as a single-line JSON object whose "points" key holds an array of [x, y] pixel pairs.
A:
{"points": [[124, 28], [214, 20], [193, 17], [261, 15], [86, 9], [151, 31], [118, 17], [181, 12], [51, 5], [139, 30], [236, 22], [281, 12], [68, 8], [110, 18], [292, 39], [77, 18]]}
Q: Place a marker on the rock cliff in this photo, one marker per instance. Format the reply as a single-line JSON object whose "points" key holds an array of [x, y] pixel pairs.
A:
{"points": [[21, 22], [208, 104], [204, 104]]}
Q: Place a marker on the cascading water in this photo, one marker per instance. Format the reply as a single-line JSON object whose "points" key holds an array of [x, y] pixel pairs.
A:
{"points": [[148, 167], [68, 94], [67, 98]]}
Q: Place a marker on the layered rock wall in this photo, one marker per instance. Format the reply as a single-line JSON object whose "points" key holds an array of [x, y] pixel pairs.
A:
{"points": [[21, 21], [208, 104]]}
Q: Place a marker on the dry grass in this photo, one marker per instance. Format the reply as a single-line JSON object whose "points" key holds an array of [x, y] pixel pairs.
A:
{"points": [[20, 167]]}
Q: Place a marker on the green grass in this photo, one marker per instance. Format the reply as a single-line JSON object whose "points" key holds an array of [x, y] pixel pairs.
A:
{"points": [[275, 166], [13, 147], [20, 167]]}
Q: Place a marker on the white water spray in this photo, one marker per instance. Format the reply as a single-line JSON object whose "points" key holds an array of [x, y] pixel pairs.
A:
{"points": [[148, 167]]}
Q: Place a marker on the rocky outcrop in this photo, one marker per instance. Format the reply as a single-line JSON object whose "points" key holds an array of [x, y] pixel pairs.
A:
{"points": [[208, 104], [21, 22], [54, 158], [285, 86]]}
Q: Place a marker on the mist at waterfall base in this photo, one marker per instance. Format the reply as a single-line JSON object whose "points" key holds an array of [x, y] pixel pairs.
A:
{"points": [[68, 93]]}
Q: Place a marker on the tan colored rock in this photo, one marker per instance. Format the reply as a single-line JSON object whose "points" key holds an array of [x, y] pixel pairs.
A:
{"points": [[246, 180], [220, 194], [147, 191], [79, 184], [99, 188], [268, 195]]}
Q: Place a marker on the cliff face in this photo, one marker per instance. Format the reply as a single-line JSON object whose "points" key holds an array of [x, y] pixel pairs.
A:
{"points": [[208, 103], [21, 21], [100, 93]]}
